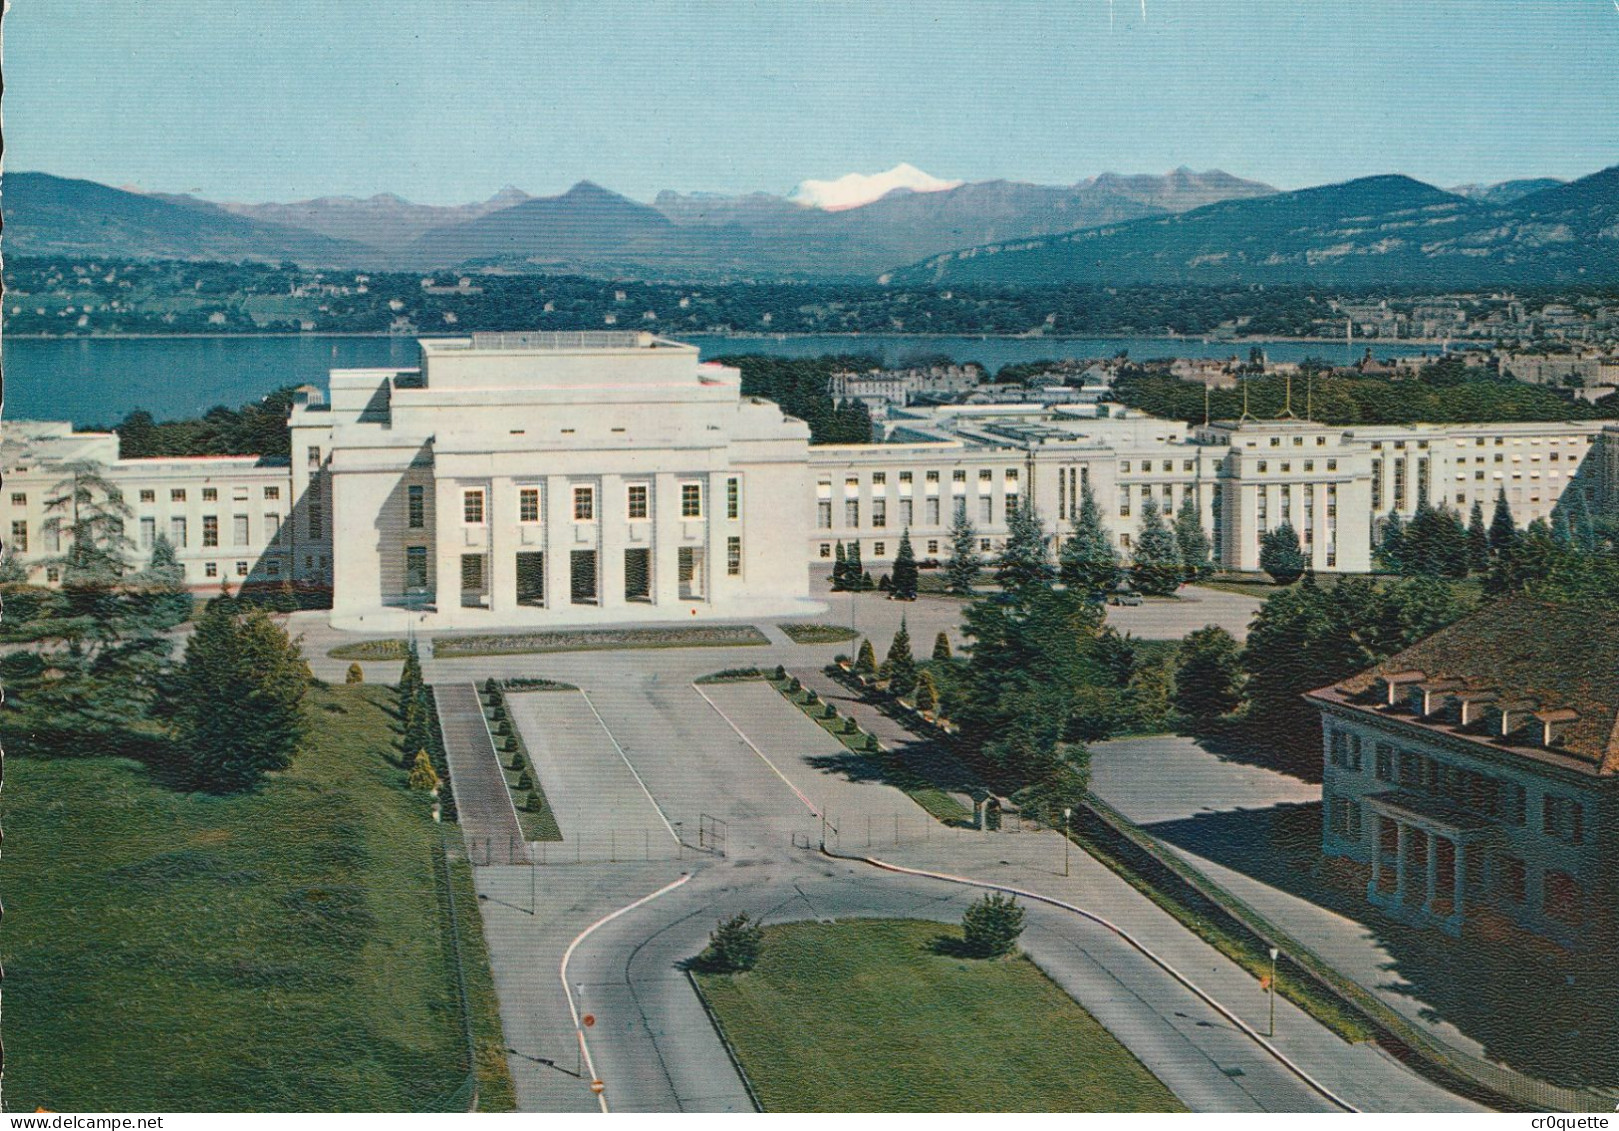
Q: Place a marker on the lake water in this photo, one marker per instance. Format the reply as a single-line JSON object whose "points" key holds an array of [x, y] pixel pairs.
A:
{"points": [[99, 380]]}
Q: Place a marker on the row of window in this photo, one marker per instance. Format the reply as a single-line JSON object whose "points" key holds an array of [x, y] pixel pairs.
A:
{"points": [[1562, 818], [1286, 466], [584, 586], [209, 494], [637, 503]]}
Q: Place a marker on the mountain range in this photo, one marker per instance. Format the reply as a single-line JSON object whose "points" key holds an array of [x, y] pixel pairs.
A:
{"points": [[1388, 230], [1182, 227]]}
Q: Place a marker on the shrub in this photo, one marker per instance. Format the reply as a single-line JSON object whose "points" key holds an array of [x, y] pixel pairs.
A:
{"points": [[873, 745], [810, 698], [511, 743], [941, 646], [497, 713], [524, 781], [535, 803], [991, 926], [356, 674], [850, 726], [422, 774], [927, 692], [794, 685], [831, 712], [781, 672], [517, 762], [734, 945], [866, 662]]}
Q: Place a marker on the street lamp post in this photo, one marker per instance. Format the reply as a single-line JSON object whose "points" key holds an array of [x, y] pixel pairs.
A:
{"points": [[1270, 1031], [1067, 824]]}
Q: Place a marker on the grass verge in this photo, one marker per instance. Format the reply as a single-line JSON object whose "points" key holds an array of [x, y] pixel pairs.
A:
{"points": [[279, 950], [534, 814], [818, 633], [370, 650], [866, 1015], [597, 640]]}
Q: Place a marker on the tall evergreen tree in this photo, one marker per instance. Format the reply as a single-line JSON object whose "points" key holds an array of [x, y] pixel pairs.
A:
{"points": [[1478, 540], [840, 568], [941, 646], [901, 664], [1280, 554], [855, 576], [1088, 560], [241, 691], [1503, 528], [1156, 566], [162, 585], [865, 662], [1391, 544], [903, 583], [1193, 540], [961, 571], [1026, 560]]}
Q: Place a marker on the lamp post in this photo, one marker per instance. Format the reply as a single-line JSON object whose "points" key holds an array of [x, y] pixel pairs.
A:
{"points": [[1067, 823], [1270, 1030]]}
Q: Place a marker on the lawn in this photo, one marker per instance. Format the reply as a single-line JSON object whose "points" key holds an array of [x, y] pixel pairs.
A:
{"points": [[594, 640], [371, 650], [285, 949], [863, 1015], [818, 633]]}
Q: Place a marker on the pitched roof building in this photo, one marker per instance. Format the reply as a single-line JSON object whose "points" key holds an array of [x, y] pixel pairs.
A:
{"points": [[1476, 773]]}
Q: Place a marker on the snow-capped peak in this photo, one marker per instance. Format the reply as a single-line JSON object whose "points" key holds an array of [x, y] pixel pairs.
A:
{"points": [[854, 189]]}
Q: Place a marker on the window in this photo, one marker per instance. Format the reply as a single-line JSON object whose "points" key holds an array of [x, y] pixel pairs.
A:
{"points": [[210, 569], [177, 532], [1264, 465], [19, 536], [879, 479], [238, 530], [1563, 898], [637, 501], [983, 544], [879, 512], [906, 512], [210, 494], [823, 514], [933, 511], [241, 569], [472, 506], [905, 477], [958, 476], [415, 567], [851, 512], [148, 532], [1346, 750], [985, 475], [1563, 818], [584, 505], [691, 500], [986, 509], [272, 566], [1186, 465], [272, 492], [148, 496], [177, 495], [638, 574], [1124, 504], [1309, 465], [933, 545], [272, 528], [933, 477], [733, 556], [879, 550], [472, 587], [528, 504], [415, 507], [314, 457], [733, 498], [1011, 505], [826, 549], [689, 573], [210, 530], [1124, 466], [239, 494], [1385, 762], [19, 499], [1345, 819]]}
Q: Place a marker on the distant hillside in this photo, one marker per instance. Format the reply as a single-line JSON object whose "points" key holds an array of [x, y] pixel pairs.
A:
{"points": [[1506, 191], [903, 226], [46, 215], [1376, 230], [384, 221]]}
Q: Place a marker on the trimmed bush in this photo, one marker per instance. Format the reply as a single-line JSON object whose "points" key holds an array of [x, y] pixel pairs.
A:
{"points": [[794, 685], [356, 674], [511, 743], [422, 774], [850, 726], [734, 945], [781, 672], [516, 762], [991, 926], [873, 745], [535, 803], [831, 712], [524, 781]]}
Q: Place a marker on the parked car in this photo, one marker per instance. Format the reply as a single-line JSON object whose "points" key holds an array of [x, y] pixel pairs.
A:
{"points": [[1126, 597]]}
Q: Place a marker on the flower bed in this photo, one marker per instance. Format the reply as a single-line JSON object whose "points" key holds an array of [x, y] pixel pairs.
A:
{"points": [[590, 640]]}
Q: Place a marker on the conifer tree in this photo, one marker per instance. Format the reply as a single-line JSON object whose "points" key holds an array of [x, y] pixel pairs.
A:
{"points": [[905, 580], [941, 646], [927, 692], [1088, 561], [854, 573], [840, 568], [1503, 527], [901, 664], [1280, 554], [1026, 560], [961, 571], [1156, 566], [866, 660], [1193, 540], [422, 774]]}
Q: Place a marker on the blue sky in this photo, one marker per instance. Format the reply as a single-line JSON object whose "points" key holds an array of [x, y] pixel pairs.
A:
{"points": [[445, 102]]}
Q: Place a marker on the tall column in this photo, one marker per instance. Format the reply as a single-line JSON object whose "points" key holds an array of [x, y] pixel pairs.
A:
{"points": [[501, 572], [1400, 863], [1432, 870], [1460, 874], [448, 544]]}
